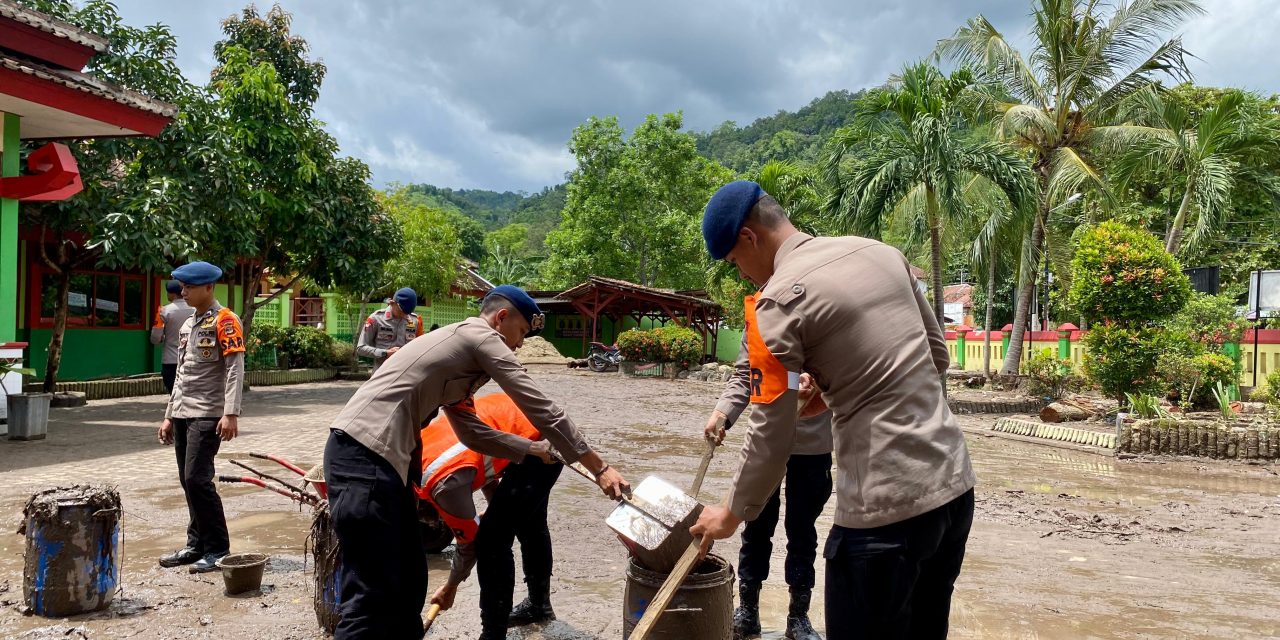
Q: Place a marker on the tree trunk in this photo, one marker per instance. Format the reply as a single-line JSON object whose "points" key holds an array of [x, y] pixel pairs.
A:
{"points": [[1062, 412], [1173, 239], [1026, 289], [935, 250], [59, 330], [986, 327]]}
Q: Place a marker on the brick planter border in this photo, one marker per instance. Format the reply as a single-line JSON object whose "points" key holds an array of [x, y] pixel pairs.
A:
{"points": [[1202, 438], [965, 407], [130, 387], [1058, 432]]}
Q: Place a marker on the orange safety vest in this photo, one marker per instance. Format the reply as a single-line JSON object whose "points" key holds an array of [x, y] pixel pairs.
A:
{"points": [[769, 377], [442, 454]]}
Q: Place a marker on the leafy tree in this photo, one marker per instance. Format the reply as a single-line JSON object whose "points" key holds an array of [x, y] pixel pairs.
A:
{"points": [[911, 162], [633, 206], [277, 198], [1226, 147], [512, 239], [427, 258], [1087, 59], [1121, 274], [126, 216]]}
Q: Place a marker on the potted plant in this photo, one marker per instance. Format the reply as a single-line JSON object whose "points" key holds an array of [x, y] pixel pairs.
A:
{"points": [[28, 413]]}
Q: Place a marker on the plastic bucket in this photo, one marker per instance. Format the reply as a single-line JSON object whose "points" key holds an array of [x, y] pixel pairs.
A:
{"points": [[72, 561], [242, 572]]}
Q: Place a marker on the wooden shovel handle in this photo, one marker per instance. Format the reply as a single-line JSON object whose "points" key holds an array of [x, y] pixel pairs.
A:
{"points": [[658, 605], [432, 612], [702, 469]]}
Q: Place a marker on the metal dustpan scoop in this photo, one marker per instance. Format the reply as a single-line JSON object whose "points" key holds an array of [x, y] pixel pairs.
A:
{"points": [[655, 523]]}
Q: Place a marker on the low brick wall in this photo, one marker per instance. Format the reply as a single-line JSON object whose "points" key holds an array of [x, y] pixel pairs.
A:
{"points": [[129, 387], [962, 407], [1200, 438], [1061, 433]]}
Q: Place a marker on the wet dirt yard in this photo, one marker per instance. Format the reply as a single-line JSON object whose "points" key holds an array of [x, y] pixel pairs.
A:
{"points": [[1066, 544]]}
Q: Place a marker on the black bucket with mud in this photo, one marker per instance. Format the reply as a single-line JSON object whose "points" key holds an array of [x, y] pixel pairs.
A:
{"points": [[72, 562], [702, 607], [324, 553]]}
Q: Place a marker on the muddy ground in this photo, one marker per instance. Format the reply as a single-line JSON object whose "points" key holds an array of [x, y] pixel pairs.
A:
{"points": [[1066, 544]]}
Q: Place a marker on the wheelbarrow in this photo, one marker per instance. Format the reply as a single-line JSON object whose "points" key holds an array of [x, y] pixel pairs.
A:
{"points": [[435, 535]]}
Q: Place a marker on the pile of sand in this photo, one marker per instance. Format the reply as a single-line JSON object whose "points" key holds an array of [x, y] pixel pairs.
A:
{"points": [[537, 350]]}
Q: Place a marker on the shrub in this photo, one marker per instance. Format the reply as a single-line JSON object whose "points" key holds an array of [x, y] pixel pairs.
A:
{"points": [[1209, 320], [680, 345], [1123, 275], [265, 336], [1048, 374], [1193, 377], [307, 347], [342, 355], [1123, 360], [1269, 391], [639, 346]]}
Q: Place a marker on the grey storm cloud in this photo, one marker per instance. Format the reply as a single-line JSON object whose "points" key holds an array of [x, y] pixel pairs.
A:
{"points": [[485, 93]]}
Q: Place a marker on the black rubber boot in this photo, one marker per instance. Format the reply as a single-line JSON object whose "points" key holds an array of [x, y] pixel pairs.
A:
{"points": [[746, 619], [536, 608], [798, 625]]}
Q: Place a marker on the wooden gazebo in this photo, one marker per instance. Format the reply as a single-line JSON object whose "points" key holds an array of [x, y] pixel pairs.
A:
{"points": [[617, 299]]}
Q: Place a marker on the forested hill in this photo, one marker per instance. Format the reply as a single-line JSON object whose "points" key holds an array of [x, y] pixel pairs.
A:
{"points": [[495, 210], [797, 136]]}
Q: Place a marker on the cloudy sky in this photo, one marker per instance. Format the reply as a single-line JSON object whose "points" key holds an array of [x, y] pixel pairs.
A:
{"points": [[485, 93]]}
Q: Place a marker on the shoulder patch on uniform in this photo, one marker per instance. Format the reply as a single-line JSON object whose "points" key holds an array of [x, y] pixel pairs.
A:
{"points": [[230, 332]]}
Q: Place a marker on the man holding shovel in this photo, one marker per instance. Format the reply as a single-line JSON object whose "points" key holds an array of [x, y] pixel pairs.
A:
{"points": [[846, 311], [808, 489], [371, 459]]}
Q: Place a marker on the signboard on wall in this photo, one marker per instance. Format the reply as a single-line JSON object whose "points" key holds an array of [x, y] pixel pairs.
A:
{"points": [[1268, 283]]}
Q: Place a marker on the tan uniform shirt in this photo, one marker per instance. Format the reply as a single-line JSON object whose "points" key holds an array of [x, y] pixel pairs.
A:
{"points": [[846, 311], [169, 319], [382, 331], [210, 366], [445, 368], [813, 434]]}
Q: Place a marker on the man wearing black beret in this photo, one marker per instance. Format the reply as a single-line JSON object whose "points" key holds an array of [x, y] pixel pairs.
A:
{"points": [[203, 411], [846, 312], [371, 463]]}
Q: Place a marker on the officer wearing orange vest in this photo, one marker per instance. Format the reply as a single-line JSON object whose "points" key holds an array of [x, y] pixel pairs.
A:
{"points": [[517, 506]]}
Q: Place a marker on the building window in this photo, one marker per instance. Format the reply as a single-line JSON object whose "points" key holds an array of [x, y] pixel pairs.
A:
{"points": [[95, 299]]}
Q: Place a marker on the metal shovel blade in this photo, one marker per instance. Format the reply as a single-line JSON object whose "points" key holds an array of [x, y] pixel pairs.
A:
{"points": [[655, 509]]}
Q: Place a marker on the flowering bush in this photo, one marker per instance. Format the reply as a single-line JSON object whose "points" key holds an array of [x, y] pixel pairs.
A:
{"points": [[680, 345], [1123, 275], [666, 344], [1193, 377], [1209, 320], [639, 346]]}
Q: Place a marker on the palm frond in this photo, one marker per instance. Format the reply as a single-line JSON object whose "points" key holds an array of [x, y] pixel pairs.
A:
{"points": [[978, 44]]}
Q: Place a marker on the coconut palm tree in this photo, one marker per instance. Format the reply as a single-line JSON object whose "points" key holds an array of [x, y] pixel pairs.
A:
{"points": [[1210, 157], [796, 188], [904, 156], [1086, 60]]}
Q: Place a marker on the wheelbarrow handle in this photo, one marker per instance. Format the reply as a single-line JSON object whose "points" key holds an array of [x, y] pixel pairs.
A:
{"points": [[280, 461]]}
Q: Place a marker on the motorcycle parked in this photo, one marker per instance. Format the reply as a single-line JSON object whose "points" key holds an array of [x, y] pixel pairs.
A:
{"points": [[603, 357]]}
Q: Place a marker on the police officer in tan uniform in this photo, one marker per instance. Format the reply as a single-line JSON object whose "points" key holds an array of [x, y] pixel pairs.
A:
{"points": [[808, 488], [169, 320], [388, 329], [846, 311], [203, 412], [370, 460]]}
